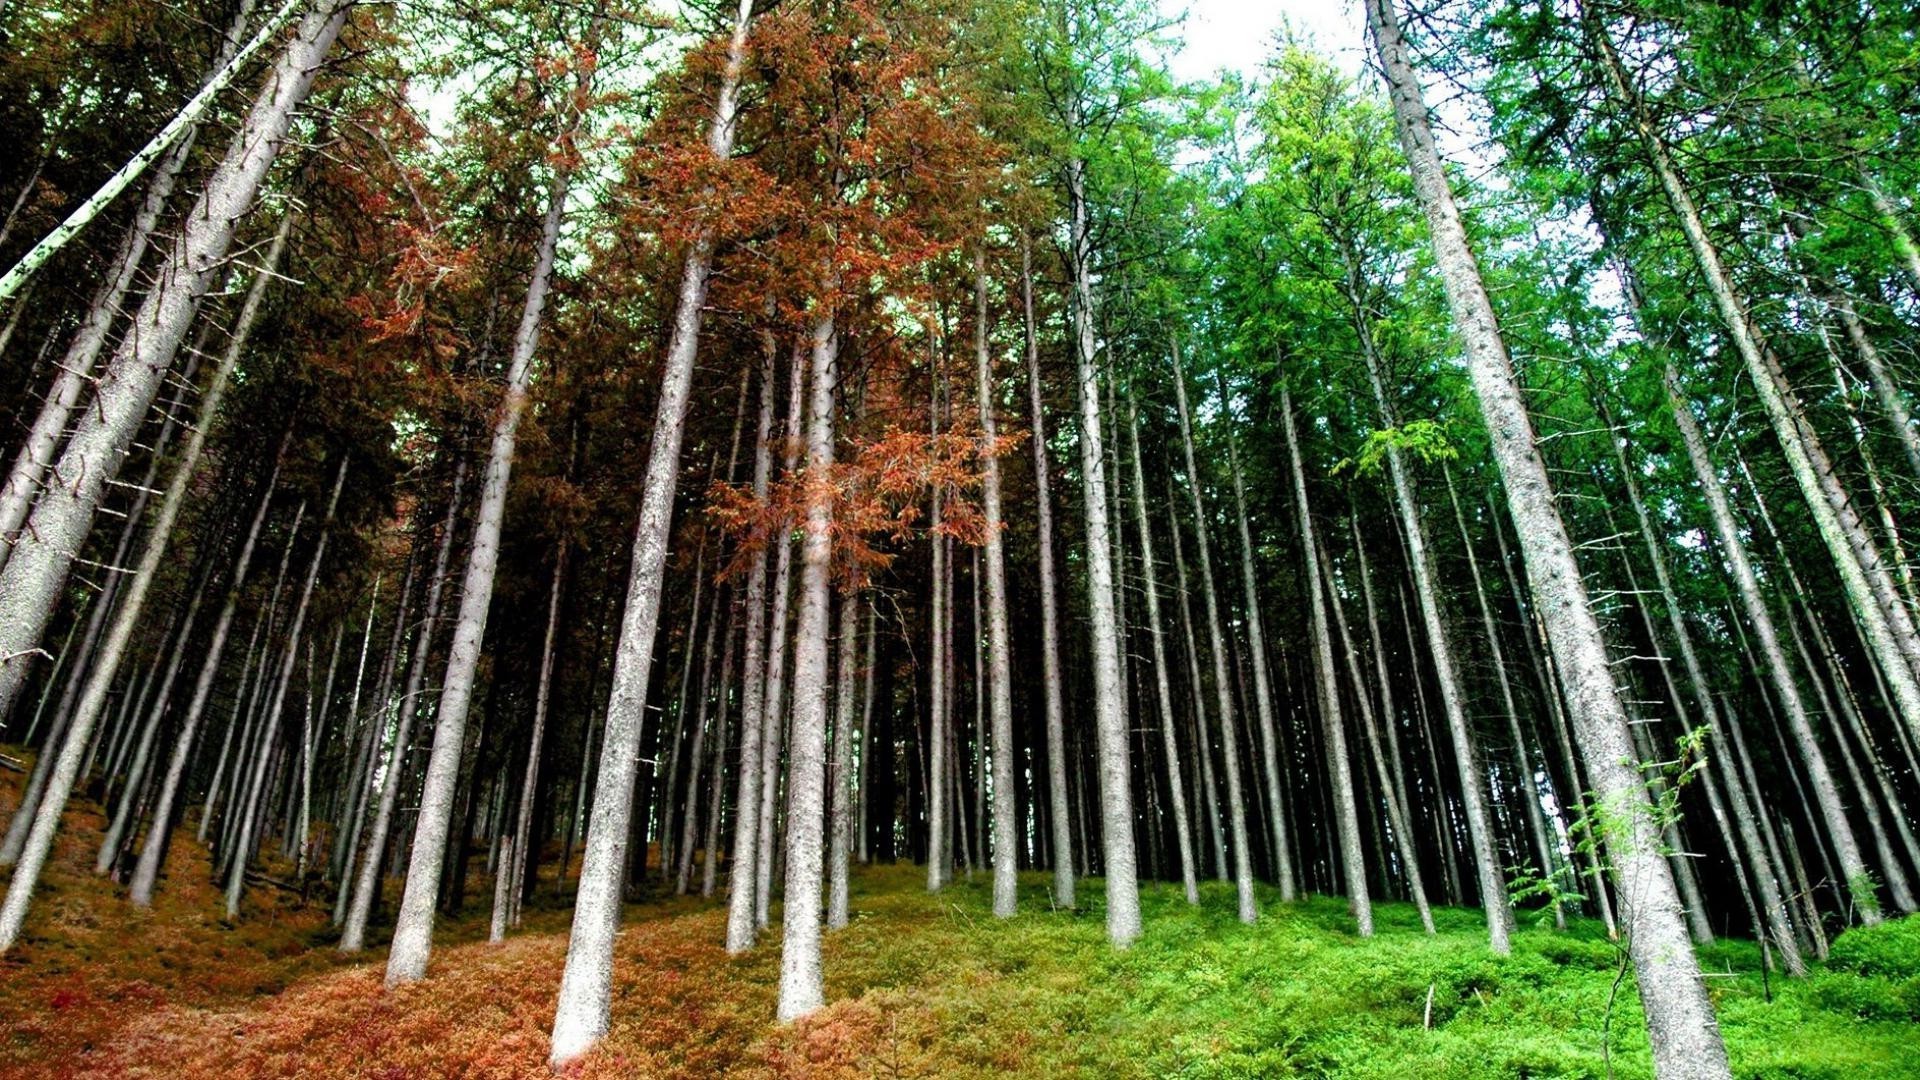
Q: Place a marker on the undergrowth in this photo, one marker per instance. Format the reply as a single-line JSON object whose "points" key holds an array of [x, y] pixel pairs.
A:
{"points": [[921, 987]]}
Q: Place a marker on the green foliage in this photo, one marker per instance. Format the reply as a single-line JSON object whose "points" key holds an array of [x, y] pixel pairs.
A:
{"points": [[1423, 439], [1891, 949]]}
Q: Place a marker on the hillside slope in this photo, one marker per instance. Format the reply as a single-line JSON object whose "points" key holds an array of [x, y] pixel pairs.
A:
{"points": [[922, 987]]}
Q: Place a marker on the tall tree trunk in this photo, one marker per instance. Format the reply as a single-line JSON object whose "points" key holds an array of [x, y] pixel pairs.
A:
{"points": [[1059, 818], [999, 647], [1345, 807], [413, 929], [515, 869], [1109, 695], [586, 986], [773, 710], [1523, 762], [1390, 795], [1240, 842], [249, 835], [1859, 880], [741, 925], [840, 808], [1473, 778], [1680, 1022], [1863, 572], [1170, 743], [802, 989], [30, 583], [366, 889], [1262, 680]]}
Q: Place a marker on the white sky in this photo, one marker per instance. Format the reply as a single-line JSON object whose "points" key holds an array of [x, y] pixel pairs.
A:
{"points": [[1239, 34]]}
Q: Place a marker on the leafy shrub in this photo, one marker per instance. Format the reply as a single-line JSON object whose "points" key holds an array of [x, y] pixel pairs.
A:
{"points": [[1892, 948]]}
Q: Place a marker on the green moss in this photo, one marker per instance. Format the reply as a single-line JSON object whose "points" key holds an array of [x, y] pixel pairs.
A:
{"points": [[1299, 994]]}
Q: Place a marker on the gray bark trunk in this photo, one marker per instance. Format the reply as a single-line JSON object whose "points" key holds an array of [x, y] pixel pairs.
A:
{"points": [[1170, 743], [1059, 817], [1340, 771], [413, 930], [1109, 696], [802, 988], [586, 986], [30, 584], [1680, 1023]]}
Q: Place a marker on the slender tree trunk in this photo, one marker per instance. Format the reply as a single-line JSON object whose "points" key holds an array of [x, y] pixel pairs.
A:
{"points": [[1863, 572], [413, 930], [366, 890], [1059, 818], [773, 713], [1390, 796], [586, 986], [1241, 845], [840, 809], [249, 833], [1109, 695], [802, 989], [1680, 1022], [1523, 762], [1262, 679], [999, 647], [1170, 743], [1203, 748], [1473, 778], [30, 584], [516, 845], [1345, 807], [741, 925], [1859, 880]]}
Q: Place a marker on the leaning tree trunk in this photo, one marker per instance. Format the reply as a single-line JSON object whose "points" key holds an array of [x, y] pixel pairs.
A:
{"points": [[1176, 781], [1059, 818], [30, 584], [366, 887], [16, 496], [1262, 680], [586, 986], [1473, 779], [147, 870], [241, 852], [413, 930], [1109, 696], [515, 869], [1761, 866], [1346, 808], [1222, 681], [1859, 880], [840, 803], [1680, 1022], [106, 665], [1891, 634], [741, 926]]}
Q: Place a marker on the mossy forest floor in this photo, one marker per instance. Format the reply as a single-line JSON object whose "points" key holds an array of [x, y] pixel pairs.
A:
{"points": [[921, 986]]}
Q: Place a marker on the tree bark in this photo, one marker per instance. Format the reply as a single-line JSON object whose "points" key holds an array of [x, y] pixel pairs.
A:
{"points": [[1340, 771], [30, 583], [1109, 695], [413, 930], [1059, 817], [1680, 1022], [802, 988], [1240, 846], [586, 985]]}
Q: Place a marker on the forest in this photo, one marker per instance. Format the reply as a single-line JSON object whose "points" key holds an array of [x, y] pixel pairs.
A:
{"points": [[902, 538]]}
